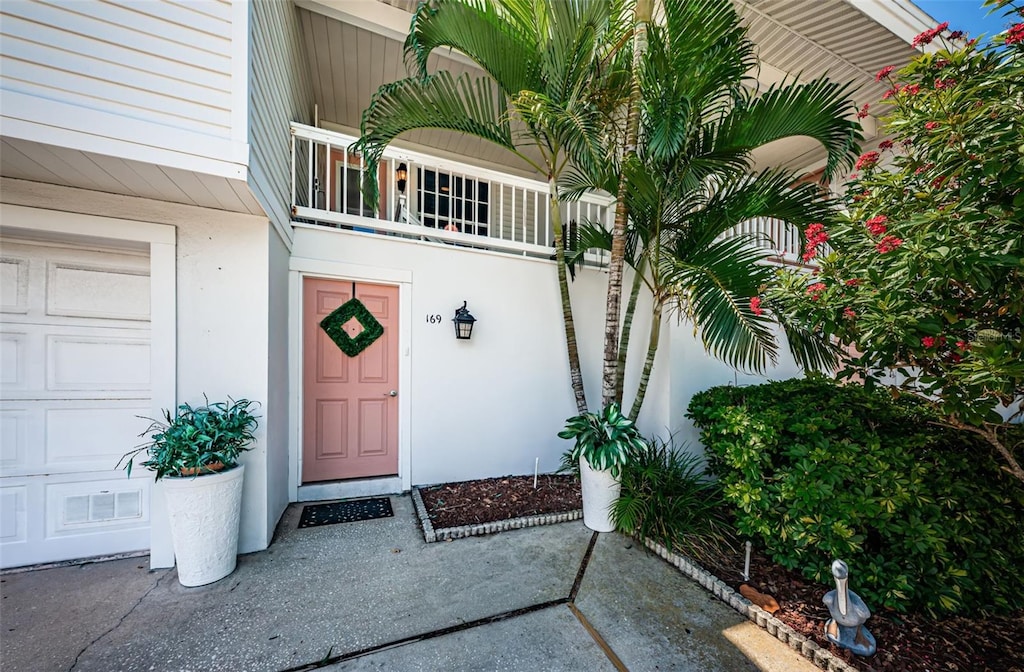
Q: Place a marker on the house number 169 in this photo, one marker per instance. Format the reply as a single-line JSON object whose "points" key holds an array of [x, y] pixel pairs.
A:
{"points": [[433, 319]]}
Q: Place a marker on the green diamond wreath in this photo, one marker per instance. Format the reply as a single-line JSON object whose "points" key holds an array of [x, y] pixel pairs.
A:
{"points": [[333, 324]]}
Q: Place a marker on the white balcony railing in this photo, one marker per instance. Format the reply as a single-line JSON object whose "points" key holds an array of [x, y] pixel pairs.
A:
{"points": [[452, 202], [443, 201]]}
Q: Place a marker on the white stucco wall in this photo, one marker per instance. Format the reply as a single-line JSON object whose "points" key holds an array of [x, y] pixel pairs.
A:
{"points": [[223, 338], [490, 406], [278, 390]]}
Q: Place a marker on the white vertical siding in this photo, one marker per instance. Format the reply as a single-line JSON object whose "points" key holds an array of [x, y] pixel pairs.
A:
{"points": [[158, 74], [279, 92]]}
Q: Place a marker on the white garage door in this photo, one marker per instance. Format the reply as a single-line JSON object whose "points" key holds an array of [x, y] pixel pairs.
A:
{"points": [[74, 343]]}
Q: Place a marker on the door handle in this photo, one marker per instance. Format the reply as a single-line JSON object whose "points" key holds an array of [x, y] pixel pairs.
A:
{"points": [[392, 393]]}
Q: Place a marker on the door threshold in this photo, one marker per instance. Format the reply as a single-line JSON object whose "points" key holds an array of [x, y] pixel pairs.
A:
{"points": [[364, 487]]}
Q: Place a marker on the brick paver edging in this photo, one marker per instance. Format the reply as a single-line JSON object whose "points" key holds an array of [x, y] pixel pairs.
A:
{"points": [[431, 535], [820, 656]]}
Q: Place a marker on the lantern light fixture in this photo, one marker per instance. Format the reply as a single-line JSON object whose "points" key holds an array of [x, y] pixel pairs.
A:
{"points": [[401, 177], [463, 323]]}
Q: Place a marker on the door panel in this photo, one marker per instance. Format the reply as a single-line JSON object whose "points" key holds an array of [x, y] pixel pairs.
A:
{"points": [[350, 419]]}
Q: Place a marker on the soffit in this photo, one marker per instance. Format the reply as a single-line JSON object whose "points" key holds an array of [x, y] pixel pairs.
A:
{"points": [[807, 39]]}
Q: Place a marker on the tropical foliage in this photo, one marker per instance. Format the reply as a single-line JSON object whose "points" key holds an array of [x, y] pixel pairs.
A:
{"points": [[693, 177], [924, 275], [197, 438], [606, 440], [667, 497], [553, 81], [816, 471]]}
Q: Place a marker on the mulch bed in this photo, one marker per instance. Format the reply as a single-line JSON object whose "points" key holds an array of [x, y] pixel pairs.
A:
{"points": [[492, 499], [906, 643]]}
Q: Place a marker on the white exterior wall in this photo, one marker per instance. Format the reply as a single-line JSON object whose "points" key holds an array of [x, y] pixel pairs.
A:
{"points": [[161, 82], [279, 92], [278, 396], [223, 338], [489, 406]]}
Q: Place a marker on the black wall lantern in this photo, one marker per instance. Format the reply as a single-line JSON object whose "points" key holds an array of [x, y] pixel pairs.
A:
{"points": [[401, 176], [463, 322]]}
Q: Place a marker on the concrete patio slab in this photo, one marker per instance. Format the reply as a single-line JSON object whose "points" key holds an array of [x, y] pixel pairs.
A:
{"points": [[323, 593], [651, 614], [551, 640]]}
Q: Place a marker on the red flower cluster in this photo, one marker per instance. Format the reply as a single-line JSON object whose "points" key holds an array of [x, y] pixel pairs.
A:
{"points": [[957, 35], [931, 125], [885, 144], [888, 244], [890, 93], [863, 111], [938, 182], [849, 312], [1015, 34], [815, 290], [963, 345], [927, 36], [755, 306], [852, 282], [944, 83], [911, 89], [876, 225], [884, 72], [866, 160], [928, 341], [816, 235]]}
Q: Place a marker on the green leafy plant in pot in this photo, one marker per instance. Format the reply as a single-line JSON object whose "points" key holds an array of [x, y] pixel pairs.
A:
{"points": [[195, 454], [197, 440], [604, 443]]}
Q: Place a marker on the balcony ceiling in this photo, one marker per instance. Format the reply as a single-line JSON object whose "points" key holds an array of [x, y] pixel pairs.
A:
{"points": [[351, 53]]}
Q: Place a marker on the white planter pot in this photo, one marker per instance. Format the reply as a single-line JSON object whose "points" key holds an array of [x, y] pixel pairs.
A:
{"points": [[600, 490], [204, 512]]}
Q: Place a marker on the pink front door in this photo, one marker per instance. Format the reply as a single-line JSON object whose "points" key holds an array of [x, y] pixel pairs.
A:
{"points": [[350, 404]]}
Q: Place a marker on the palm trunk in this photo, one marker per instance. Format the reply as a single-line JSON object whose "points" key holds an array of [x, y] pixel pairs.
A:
{"points": [[652, 350], [642, 16], [575, 372], [627, 325]]}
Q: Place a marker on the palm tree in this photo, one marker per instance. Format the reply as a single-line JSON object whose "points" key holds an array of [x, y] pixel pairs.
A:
{"points": [[553, 81], [693, 178]]}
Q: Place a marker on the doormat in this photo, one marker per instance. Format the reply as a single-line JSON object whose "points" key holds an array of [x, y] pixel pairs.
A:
{"points": [[315, 515]]}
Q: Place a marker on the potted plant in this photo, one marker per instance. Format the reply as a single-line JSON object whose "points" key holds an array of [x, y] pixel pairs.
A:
{"points": [[604, 443], [196, 452]]}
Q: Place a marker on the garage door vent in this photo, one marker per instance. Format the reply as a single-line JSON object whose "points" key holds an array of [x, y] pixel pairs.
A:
{"points": [[102, 507]]}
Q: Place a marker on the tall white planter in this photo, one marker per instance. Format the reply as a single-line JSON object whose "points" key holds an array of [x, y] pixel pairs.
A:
{"points": [[204, 513], [600, 490]]}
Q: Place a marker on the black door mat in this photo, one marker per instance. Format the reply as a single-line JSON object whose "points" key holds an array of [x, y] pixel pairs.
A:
{"points": [[315, 515]]}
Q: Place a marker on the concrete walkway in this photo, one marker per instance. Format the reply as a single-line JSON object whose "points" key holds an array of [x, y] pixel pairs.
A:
{"points": [[373, 596]]}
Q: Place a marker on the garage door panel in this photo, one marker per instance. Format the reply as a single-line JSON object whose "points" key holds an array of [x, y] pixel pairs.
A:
{"points": [[13, 518], [109, 292], [13, 284], [15, 429], [91, 439], [98, 364], [76, 357], [13, 355], [64, 517], [69, 361]]}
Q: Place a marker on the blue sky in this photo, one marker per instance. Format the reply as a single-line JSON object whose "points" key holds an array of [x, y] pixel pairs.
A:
{"points": [[966, 15]]}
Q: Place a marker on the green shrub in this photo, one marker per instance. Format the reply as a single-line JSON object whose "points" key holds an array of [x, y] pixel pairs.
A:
{"points": [[923, 514], [667, 497]]}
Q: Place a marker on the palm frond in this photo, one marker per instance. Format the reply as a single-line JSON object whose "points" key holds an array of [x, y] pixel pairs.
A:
{"points": [[817, 109], [474, 106], [712, 287]]}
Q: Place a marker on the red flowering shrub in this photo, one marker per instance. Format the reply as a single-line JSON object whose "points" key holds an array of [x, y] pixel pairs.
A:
{"points": [[755, 306], [925, 276], [867, 160]]}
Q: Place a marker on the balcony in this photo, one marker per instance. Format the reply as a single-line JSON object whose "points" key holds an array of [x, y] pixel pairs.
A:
{"points": [[447, 202]]}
